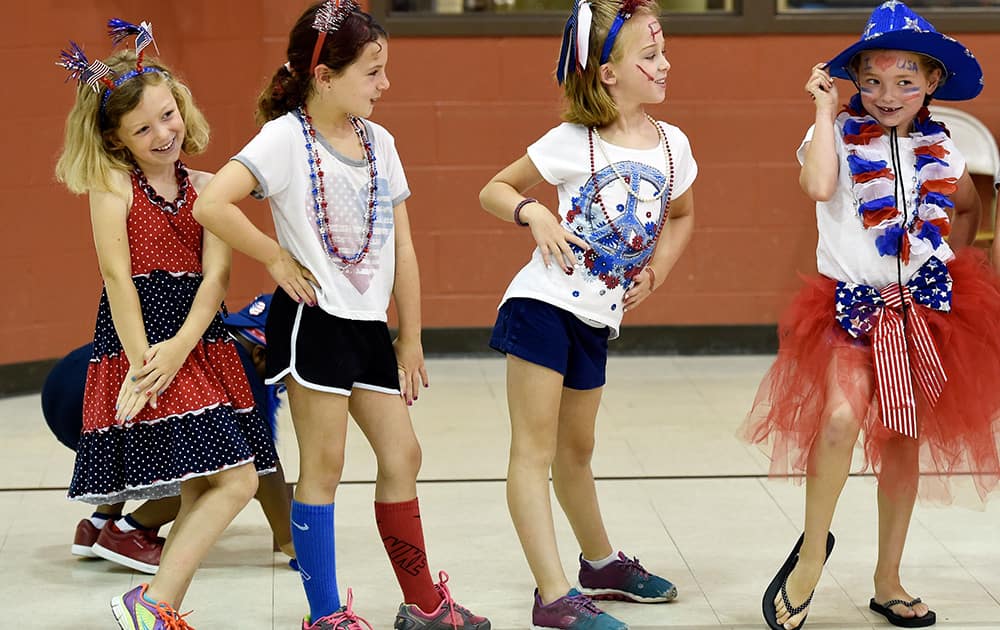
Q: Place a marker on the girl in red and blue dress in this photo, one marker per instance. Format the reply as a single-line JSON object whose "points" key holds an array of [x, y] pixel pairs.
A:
{"points": [[167, 407]]}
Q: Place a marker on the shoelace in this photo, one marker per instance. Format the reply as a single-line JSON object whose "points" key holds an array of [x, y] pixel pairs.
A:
{"points": [[172, 620], [632, 564], [450, 601], [584, 604], [348, 614]]}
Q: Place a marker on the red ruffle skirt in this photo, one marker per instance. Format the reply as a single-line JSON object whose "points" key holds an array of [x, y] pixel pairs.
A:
{"points": [[818, 363]]}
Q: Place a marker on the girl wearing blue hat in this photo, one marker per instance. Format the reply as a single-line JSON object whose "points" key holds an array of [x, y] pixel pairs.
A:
{"points": [[888, 337]]}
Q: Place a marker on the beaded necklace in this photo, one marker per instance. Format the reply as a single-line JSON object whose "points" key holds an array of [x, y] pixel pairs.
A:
{"points": [[321, 217], [637, 244], [878, 191], [180, 172]]}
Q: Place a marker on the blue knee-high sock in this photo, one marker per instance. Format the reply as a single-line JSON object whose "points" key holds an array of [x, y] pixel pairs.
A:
{"points": [[312, 534]]}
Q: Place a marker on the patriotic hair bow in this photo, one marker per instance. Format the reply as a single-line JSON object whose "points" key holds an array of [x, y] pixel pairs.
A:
{"points": [[80, 68], [624, 13], [329, 17], [576, 41], [119, 30]]}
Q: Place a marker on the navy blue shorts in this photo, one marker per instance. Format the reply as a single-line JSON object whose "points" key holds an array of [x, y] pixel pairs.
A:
{"points": [[549, 336]]}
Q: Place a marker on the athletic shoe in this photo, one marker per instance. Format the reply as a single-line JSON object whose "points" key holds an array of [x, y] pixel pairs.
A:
{"points": [[572, 611], [625, 580], [343, 619], [84, 538], [449, 615], [134, 612], [138, 549]]}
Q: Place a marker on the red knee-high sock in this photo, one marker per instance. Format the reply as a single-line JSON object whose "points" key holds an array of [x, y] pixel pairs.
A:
{"points": [[403, 537]]}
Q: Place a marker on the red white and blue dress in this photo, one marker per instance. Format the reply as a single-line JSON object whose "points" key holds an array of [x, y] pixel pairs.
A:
{"points": [[206, 420]]}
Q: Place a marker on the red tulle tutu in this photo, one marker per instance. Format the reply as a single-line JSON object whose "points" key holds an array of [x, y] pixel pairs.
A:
{"points": [[959, 438]]}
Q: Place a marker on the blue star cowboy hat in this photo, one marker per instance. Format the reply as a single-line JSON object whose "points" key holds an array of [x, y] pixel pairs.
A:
{"points": [[251, 319], [894, 26]]}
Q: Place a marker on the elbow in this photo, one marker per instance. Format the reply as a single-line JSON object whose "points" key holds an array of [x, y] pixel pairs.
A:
{"points": [[201, 210], [819, 192], [483, 196]]}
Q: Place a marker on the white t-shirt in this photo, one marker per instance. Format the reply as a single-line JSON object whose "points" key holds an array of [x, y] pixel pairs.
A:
{"points": [[621, 230], [278, 158], [846, 250]]}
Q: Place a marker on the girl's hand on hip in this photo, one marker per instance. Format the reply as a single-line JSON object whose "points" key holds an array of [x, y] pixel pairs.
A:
{"points": [[641, 289], [292, 277], [553, 240], [822, 87], [412, 370]]}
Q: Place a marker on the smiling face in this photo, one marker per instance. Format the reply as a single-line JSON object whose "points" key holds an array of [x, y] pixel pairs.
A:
{"points": [[641, 72], [153, 132], [361, 83], [894, 85]]}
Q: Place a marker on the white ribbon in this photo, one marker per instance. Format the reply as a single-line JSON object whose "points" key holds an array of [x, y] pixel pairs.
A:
{"points": [[584, 17]]}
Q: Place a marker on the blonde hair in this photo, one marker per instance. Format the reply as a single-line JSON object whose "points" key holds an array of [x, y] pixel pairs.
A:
{"points": [[588, 101], [91, 151]]}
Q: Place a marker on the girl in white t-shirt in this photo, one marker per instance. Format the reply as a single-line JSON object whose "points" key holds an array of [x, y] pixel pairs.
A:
{"points": [[889, 338], [618, 173], [337, 189]]}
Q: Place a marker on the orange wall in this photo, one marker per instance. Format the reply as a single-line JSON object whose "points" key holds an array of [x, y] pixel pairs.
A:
{"points": [[460, 109]]}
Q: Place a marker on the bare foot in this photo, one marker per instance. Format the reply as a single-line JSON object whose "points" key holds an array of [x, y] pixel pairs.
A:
{"points": [[799, 587], [889, 591]]}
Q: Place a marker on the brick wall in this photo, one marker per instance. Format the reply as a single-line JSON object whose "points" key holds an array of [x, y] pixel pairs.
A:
{"points": [[460, 108]]}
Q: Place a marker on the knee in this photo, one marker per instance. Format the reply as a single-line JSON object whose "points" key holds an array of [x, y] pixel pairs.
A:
{"points": [[320, 470], [575, 454], [241, 485], [402, 463], [841, 428], [533, 454]]}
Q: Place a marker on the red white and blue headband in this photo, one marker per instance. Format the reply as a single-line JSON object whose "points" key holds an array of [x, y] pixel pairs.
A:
{"points": [[91, 72], [576, 37], [329, 17]]}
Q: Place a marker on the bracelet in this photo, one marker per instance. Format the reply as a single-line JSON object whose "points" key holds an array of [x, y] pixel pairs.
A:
{"points": [[517, 210], [652, 278]]}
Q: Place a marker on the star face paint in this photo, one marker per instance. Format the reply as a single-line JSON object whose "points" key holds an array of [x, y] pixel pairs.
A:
{"points": [[893, 86]]}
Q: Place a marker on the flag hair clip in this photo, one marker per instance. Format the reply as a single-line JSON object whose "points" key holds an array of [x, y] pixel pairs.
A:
{"points": [[576, 41], [331, 15], [119, 30], [86, 72]]}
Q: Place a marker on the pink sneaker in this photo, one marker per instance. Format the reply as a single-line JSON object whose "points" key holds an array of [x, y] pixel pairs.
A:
{"points": [[449, 615], [343, 619], [85, 537]]}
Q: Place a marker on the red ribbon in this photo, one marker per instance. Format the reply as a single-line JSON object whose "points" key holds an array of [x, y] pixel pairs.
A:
{"points": [[895, 348]]}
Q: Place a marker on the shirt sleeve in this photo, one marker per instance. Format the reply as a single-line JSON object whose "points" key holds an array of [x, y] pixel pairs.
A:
{"points": [[556, 155], [269, 156], [389, 165], [685, 166]]}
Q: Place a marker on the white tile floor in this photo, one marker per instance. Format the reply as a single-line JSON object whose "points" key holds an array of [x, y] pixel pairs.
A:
{"points": [[690, 500]]}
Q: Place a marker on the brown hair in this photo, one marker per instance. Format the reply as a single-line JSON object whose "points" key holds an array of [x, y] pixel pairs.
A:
{"points": [[588, 101], [90, 149], [292, 83]]}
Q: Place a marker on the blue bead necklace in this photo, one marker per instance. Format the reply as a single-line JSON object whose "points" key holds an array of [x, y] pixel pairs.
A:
{"points": [[321, 217]]}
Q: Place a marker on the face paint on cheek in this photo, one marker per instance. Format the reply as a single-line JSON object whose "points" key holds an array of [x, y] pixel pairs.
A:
{"points": [[911, 93], [867, 90], [643, 70]]}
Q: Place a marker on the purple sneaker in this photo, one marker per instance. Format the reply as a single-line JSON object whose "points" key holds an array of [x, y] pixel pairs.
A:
{"points": [[134, 612], [572, 611], [625, 580]]}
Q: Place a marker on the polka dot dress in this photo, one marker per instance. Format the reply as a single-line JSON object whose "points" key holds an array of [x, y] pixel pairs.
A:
{"points": [[206, 421]]}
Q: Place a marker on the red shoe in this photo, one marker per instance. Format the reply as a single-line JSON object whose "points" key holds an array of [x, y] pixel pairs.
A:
{"points": [[85, 537], [138, 549]]}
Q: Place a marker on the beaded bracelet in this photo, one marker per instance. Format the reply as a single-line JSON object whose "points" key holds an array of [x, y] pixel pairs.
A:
{"points": [[652, 278], [517, 210]]}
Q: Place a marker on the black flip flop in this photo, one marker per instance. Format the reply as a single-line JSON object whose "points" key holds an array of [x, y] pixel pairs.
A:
{"points": [[898, 620], [777, 586]]}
